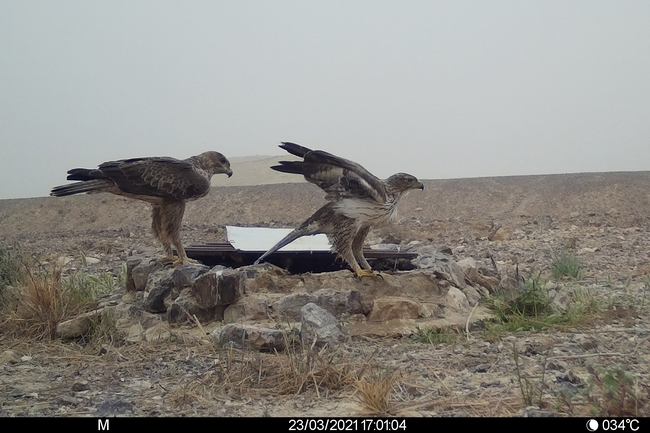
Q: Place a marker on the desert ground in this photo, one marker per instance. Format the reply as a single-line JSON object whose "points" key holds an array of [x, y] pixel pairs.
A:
{"points": [[603, 219]]}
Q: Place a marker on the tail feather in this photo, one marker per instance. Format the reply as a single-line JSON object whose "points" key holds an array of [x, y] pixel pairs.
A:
{"points": [[80, 187], [295, 149], [284, 242], [295, 167], [80, 174]]}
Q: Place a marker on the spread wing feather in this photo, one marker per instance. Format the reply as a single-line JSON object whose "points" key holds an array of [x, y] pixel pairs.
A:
{"points": [[338, 177]]}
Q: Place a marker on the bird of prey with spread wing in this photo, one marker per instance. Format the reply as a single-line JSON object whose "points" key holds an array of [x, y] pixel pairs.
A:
{"points": [[166, 183], [357, 201]]}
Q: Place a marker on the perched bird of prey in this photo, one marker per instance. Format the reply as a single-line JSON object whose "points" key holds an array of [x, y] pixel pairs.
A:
{"points": [[166, 183], [357, 201]]}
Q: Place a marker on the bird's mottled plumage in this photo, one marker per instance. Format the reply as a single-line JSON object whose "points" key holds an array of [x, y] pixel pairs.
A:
{"points": [[166, 183], [357, 201]]}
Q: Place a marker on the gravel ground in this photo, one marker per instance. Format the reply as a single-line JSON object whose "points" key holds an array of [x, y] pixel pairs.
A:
{"points": [[601, 218]]}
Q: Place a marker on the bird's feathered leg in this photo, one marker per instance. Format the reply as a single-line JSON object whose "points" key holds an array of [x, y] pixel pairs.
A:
{"points": [[157, 232], [172, 219], [166, 225], [342, 238], [357, 250]]}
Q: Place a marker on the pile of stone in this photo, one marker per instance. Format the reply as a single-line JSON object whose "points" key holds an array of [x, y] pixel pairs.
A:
{"points": [[249, 302]]}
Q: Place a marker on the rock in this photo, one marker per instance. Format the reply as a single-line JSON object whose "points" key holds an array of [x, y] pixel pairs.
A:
{"points": [[288, 307], [340, 302], [135, 333], [535, 412], [9, 357], [185, 307], [67, 400], [128, 298], [251, 337], [481, 368], [586, 342], [473, 296], [140, 273], [131, 263], [159, 332], [318, 327], [161, 283], [80, 385], [219, 286], [92, 260], [431, 310], [393, 307], [456, 299], [247, 308], [62, 261], [443, 267], [114, 407], [78, 326], [185, 274], [467, 264]]}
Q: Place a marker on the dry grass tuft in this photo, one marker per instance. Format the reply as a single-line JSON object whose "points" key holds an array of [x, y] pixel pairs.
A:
{"points": [[42, 305], [39, 298], [239, 373], [374, 391], [321, 370]]}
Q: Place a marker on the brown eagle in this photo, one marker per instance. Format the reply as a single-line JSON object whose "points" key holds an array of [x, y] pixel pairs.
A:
{"points": [[357, 201], [166, 183]]}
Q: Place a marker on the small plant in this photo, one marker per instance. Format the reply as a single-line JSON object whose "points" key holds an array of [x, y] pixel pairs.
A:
{"points": [[529, 389], [104, 331], [611, 391], [85, 288], [529, 299], [433, 335], [566, 265], [528, 307], [122, 276], [12, 269]]}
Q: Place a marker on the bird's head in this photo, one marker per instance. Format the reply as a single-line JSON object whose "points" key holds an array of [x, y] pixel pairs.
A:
{"points": [[402, 182], [214, 163]]}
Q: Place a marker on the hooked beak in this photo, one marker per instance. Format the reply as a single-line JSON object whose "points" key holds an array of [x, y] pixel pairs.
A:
{"points": [[229, 172], [421, 186]]}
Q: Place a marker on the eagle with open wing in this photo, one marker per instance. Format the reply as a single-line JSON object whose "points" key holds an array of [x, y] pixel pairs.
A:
{"points": [[166, 183], [357, 201]]}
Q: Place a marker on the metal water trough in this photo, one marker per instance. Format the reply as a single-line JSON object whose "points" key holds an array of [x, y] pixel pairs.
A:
{"points": [[307, 254]]}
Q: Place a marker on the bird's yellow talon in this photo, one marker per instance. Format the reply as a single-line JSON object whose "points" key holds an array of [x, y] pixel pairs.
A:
{"points": [[166, 260], [366, 273], [178, 262]]}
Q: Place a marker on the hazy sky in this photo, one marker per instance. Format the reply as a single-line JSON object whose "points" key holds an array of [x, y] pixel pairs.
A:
{"points": [[438, 89]]}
